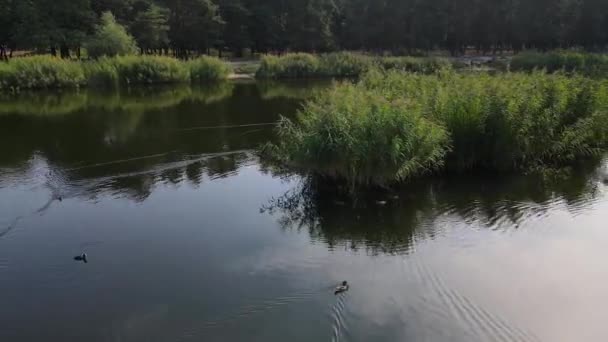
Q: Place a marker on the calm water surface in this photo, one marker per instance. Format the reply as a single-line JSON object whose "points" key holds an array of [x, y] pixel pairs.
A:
{"points": [[190, 238]]}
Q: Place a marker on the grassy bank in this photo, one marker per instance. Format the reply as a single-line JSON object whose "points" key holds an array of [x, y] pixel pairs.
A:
{"points": [[45, 72], [341, 64], [393, 126], [589, 64]]}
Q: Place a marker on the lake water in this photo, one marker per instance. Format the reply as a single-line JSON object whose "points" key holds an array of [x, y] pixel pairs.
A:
{"points": [[190, 238]]}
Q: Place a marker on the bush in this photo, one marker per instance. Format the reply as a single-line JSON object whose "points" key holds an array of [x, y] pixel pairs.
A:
{"points": [[208, 69], [51, 73], [149, 69], [102, 73], [293, 65], [425, 65], [342, 64], [352, 134], [508, 121], [570, 61], [40, 72], [392, 125], [110, 39]]}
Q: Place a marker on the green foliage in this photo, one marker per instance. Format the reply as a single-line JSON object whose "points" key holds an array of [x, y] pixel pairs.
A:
{"points": [[353, 134], [571, 61], [394, 125], [102, 73], [341, 64], [508, 121], [40, 72], [413, 64], [208, 69], [344, 64], [110, 39], [194, 25], [151, 27], [150, 70], [397, 26], [45, 72], [127, 70], [293, 65]]}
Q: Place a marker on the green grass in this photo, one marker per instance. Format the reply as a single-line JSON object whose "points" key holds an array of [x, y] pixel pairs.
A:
{"points": [[589, 64], [45, 72], [392, 126], [341, 64]]}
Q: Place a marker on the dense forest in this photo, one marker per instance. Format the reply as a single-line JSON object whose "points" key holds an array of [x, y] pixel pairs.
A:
{"points": [[182, 27]]}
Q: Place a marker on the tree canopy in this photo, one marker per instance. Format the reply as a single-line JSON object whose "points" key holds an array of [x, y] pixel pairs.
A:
{"points": [[196, 26], [110, 39]]}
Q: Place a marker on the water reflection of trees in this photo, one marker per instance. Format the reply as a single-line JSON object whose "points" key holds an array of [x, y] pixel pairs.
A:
{"points": [[96, 127], [389, 223], [139, 183], [130, 100]]}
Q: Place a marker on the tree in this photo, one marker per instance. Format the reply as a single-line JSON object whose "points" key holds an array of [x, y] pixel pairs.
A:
{"points": [[236, 29], [110, 39], [309, 25], [151, 28], [121, 9], [63, 23], [195, 25]]}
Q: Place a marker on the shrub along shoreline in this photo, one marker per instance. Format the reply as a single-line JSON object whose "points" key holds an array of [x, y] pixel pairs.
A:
{"points": [[342, 64], [45, 72], [391, 126], [589, 64]]}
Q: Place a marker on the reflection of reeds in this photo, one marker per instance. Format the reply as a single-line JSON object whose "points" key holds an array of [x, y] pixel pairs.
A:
{"points": [[290, 90], [132, 100], [381, 222], [43, 104]]}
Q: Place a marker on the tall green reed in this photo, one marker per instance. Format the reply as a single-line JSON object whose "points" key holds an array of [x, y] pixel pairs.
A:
{"points": [[393, 125]]}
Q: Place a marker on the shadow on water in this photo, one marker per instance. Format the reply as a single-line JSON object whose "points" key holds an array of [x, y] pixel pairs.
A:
{"points": [[380, 222]]}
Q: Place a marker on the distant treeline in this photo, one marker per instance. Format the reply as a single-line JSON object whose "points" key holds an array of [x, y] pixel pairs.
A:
{"points": [[184, 27]]}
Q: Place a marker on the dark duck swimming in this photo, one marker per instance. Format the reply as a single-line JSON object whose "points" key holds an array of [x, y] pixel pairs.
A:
{"points": [[342, 288], [82, 257]]}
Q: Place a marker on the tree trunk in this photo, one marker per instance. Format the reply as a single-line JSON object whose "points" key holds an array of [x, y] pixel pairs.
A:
{"points": [[64, 51], [54, 51]]}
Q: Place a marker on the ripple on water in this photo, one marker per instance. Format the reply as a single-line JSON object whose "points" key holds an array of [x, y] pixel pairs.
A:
{"points": [[253, 309], [3, 264], [476, 320], [340, 316]]}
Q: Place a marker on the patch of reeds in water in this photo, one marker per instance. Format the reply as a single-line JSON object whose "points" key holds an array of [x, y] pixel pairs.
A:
{"points": [[391, 126]]}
